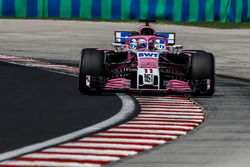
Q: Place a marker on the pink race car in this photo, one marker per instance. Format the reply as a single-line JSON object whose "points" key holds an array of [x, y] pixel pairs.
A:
{"points": [[146, 60]]}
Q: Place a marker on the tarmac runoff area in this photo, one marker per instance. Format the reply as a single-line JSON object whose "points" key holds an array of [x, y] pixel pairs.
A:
{"points": [[63, 40], [223, 139]]}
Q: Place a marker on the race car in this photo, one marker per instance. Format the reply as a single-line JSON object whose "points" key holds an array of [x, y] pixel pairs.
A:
{"points": [[147, 61]]}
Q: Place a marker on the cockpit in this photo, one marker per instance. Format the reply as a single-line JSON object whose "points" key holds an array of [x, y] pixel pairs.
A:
{"points": [[140, 43]]}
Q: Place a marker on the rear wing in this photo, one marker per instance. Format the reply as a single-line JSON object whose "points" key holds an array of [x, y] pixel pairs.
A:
{"points": [[121, 36]]}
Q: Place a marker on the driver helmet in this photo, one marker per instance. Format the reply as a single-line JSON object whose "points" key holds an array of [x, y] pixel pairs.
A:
{"points": [[142, 43], [151, 44]]}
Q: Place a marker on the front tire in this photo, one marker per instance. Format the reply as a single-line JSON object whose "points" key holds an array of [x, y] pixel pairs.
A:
{"points": [[203, 73], [91, 70]]}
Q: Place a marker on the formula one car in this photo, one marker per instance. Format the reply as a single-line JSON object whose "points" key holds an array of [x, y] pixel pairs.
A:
{"points": [[146, 60]]}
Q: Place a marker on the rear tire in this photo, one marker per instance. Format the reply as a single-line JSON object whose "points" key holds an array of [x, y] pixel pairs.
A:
{"points": [[203, 73], [92, 65]]}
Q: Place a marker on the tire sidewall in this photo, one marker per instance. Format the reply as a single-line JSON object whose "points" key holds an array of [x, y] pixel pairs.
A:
{"points": [[92, 64]]}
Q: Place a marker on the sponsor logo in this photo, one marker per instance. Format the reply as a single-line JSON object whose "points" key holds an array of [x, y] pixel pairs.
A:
{"points": [[148, 78], [148, 54]]}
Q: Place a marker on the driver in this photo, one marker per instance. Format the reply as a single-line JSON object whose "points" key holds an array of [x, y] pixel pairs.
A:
{"points": [[142, 43]]}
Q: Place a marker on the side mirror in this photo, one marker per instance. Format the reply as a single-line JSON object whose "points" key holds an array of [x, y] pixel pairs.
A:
{"points": [[117, 45], [178, 47]]}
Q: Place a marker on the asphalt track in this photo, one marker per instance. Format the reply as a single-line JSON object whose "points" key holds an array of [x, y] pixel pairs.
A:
{"points": [[223, 139], [38, 105]]}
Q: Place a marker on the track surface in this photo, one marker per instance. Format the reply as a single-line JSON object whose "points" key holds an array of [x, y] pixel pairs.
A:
{"points": [[38, 105]]}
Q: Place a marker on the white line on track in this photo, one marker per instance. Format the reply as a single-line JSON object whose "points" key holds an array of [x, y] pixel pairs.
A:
{"points": [[176, 109], [164, 99], [48, 164], [162, 123], [172, 113], [169, 116], [170, 107], [72, 157], [91, 151], [160, 97], [166, 120], [167, 101], [105, 145], [147, 131], [156, 126], [139, 135], [123, 139]]}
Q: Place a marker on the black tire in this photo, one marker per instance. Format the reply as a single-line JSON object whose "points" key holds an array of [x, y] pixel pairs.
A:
{"points": [[203, 69], [92, 64]]}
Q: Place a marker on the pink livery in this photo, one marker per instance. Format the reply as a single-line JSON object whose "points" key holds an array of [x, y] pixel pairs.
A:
{"points": [[146, 60]]}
